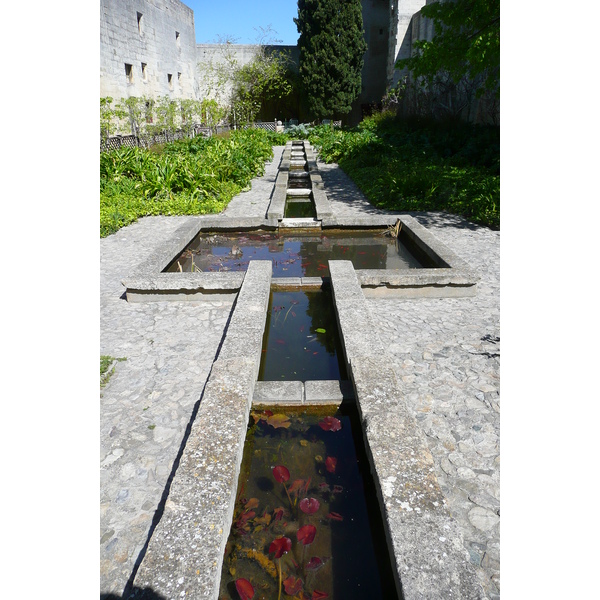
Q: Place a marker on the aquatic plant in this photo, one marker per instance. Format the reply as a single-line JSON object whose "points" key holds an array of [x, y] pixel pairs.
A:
{"points": [[330, 424], [306, 534], [280, 546], [309, 506], [282, 475], [244, 589]]}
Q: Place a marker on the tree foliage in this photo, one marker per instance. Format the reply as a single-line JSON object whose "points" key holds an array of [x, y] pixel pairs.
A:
{"points": [[466, 43], [331, 46], [264, 79]]}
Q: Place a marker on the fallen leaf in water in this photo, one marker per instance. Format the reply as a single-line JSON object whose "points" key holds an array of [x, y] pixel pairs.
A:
{"points": [[330, 463], [296, 486], [252, 503], [320, 330], [279, 421], [292, 585]]}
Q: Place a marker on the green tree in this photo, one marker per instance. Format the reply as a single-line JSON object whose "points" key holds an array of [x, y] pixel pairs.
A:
{"points": [[109, 117], [466, 44], [332, 47], [264, 79]]}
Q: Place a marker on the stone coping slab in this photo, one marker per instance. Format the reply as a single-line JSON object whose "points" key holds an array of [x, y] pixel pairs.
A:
{"points": [[298, 393], [185, 553], [424, 539]]}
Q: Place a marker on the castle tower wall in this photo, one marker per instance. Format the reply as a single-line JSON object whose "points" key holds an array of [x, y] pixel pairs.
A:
{"points": [[147, 48]]}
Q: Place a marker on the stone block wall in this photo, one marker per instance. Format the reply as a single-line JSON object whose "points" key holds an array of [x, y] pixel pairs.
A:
{"points": [[401, 34], [147, 48]]}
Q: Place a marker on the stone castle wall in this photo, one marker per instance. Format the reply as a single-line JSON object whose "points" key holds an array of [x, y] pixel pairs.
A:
{"points": [[147, 48]]}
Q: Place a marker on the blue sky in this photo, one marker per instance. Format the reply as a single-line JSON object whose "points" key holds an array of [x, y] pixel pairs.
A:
{"points": [[240, 20]]}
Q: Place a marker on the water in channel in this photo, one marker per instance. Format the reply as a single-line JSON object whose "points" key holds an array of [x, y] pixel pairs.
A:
{"points": [[298, 254], [301, 340], [306, 522]]}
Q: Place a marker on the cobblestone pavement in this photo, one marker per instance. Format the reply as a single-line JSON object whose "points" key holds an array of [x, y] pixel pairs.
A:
{"points": [[445, 353]]}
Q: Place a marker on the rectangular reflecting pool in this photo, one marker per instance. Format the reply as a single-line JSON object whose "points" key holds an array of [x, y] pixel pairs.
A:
{"points": [[299, 254], [301, 340], [306, 521]]}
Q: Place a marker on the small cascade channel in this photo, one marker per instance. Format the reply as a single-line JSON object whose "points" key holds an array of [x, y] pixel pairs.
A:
{"points": [[299, 201]]}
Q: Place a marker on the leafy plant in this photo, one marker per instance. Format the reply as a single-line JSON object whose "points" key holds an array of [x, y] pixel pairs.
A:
{"points": [[419, 164], [187, 177], [107, 368]]}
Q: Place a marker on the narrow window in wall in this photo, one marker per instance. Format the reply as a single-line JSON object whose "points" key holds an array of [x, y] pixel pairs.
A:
{"points": [[144, 72], [129, 73], [170, 80], [179, 79], [139, 21], [177, 39]]}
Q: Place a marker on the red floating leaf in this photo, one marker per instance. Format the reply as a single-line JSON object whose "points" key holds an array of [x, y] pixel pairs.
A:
{"points": [[314, 563], [337, 489], [324, 487], [330, 464], [292, 586], [244, 589], [278, 514], [280, 546], [309, 505], [282, 342], [318, 595], [281, 473], [335, 516], [306, 534], [330, 424]]}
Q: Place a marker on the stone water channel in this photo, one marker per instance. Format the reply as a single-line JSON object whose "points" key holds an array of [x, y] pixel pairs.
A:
{"points": [[183, 555]]}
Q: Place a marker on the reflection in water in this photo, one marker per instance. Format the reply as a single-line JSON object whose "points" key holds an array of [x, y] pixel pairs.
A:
{"points": [[298, 255], [301, 340]]}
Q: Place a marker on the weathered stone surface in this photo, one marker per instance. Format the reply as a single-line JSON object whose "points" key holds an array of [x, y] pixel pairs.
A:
{"points": [[402, 463], [278, 392], [327, 392]]}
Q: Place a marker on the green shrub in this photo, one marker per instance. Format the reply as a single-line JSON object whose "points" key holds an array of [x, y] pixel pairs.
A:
{"points": [[187, 177], [420, 165]]}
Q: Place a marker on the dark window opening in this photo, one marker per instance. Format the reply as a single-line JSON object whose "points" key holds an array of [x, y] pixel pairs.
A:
{"points": [[129, 73], [139, 21]]}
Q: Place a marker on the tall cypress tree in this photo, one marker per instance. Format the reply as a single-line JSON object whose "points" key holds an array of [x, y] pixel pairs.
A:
{"points": [[332, 46]]}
